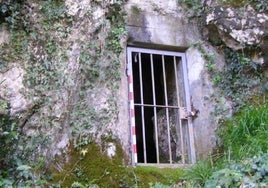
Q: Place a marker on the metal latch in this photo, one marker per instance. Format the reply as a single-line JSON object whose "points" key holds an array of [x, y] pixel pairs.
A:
{"points": [[183, 113]]}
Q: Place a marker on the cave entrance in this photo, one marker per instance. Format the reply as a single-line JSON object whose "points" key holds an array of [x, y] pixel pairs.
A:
{"points": [[161, 127]]}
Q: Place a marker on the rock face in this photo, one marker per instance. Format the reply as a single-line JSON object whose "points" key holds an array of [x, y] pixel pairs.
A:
{"points": [[59, 77], [238, 28], [63, 72], [11, 82]]}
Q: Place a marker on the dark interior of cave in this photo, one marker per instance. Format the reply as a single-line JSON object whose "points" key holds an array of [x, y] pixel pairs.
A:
{"points": [[148, 99]]}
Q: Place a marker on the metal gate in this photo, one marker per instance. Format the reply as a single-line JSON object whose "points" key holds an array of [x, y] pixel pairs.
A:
{"points": [[159, 102]]}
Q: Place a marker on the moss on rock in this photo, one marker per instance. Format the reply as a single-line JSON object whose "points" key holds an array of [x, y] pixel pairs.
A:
{"points": [[90, 165]]}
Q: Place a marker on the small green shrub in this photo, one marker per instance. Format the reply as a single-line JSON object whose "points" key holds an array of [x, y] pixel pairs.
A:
{"points": [[245, 135], [252, 172], [8, 139], [15, 170], [199, 173], [11, 13]]}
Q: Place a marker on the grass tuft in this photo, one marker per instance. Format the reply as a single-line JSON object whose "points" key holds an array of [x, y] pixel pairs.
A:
{"points": [[245, 135]]}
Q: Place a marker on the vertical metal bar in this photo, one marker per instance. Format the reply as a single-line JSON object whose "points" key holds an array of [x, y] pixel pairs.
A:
{"points": [[166, 104], [155, 113], [142, 111], [188, 106], [190, 148], [131, 109], [179, 133]]}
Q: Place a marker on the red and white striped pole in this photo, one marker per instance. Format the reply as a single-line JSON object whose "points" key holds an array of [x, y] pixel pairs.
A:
{"points": [[132, 119], [132, 111]]}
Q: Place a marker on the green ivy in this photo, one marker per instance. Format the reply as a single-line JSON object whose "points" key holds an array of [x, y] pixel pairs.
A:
{"points": [[208, 56], [9, 136], [194, 8], [37, 51], [15, 170], [251, 172], [52, 10], [11, 13], [258, 5], [118, 28], [239, 78], [41, 49]]}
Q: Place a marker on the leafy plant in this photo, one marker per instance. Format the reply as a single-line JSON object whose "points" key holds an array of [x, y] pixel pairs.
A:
{"points": [[114, 39], [53, 10], [14, 171], [9, 136], [118, 29], [38, 44], [11, 13], [208, 56], [21, 175], [20, 155], [239, 79], [252, 172], [258, 5], [199, 173], [245, 135], [242, 159], [193, 7]]}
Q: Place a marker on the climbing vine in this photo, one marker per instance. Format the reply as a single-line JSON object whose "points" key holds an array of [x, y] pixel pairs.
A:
{"points": [[258, 5], [194, 8], [240, 77], [61, 90]]}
